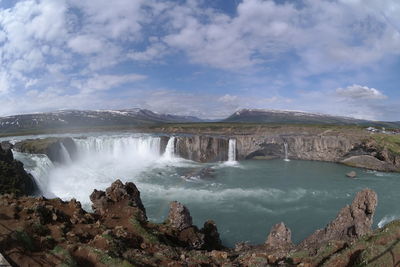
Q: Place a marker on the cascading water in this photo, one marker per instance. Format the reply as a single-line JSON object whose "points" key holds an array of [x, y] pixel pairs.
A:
{"points": [[65, 157], [170, 149], [253, 191], [285, 145], [232, 150], [99, 161]]}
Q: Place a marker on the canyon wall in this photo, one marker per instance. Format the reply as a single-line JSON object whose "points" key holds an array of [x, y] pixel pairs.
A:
{"points": [[350, 149]]}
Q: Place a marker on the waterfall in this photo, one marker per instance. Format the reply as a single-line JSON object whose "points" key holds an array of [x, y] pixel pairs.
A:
{"points": [[170, 148], [65, 157], [232, 150], [285, 145], [119, 147]]}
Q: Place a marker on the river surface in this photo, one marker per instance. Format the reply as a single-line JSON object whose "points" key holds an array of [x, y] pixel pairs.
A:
{"points": [[244, 198]]}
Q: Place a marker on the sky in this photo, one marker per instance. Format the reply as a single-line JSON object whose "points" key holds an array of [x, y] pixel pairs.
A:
{"points": [[206, 58]]}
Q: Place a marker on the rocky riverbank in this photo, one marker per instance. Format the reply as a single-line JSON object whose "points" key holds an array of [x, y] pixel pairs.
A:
{"points": [[50, 232]]}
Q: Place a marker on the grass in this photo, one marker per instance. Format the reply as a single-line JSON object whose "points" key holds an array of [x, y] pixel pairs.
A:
{"points": [[68, 260], [391, 142], [25, 240], [149, 237], [159, 126]]}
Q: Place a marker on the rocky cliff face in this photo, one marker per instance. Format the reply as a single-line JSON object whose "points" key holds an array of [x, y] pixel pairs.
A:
{"points": [[13, 177], [52, 147], [202, 148]]}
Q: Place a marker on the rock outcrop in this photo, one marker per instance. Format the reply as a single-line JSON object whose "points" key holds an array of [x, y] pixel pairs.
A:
{"points": [[52, 232], [124, 198], [13, 177], [352, 222], [369, 162], [179, 216], [52, 147], [280, 237]]}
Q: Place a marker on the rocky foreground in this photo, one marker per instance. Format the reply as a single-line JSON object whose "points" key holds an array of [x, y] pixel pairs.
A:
{"points": [[51, 232]]}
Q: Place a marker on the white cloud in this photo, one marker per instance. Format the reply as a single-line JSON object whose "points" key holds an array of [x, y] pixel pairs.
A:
{"points": [[85, 44], [4, 83], [360, 92], [106, 82], [228, 98]]}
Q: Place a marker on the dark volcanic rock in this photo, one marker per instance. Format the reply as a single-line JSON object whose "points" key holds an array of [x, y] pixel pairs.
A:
{"points": [[124, 198], [211, 236], [13, 177], [280, 237], [179, 216], [351, 223], [5, 145]]}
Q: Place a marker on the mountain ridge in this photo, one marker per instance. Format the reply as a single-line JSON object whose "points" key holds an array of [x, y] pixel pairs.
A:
{"points": [[135, 117], [300, 117]]}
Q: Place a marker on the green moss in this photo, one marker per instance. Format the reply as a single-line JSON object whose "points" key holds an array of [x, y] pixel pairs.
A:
{"points": [[140, 230], [67, 259], [24, 239], [109, 260]]}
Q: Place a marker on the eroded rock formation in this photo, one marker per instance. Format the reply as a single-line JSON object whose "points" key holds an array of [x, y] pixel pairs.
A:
{"points": [[50, 232], [124, 198], [179, 216], [280, 237], [352, 222]]}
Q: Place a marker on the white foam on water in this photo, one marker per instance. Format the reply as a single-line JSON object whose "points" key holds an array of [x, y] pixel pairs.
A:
{"points": [[387, 219], [201, 195]]}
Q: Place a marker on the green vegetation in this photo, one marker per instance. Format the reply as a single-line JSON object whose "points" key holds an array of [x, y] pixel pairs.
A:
{"points": [[155, 127], [68, 260], [140, 230], [24, 239], [391, 142]]}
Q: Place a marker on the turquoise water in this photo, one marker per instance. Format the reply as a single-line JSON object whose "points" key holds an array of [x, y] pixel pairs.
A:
{"points": [[245, 198], [248, 199]]}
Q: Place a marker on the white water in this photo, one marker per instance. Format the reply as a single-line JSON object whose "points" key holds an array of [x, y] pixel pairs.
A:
{"points": [[387, 219], [285, 145], [65, 157], [170, 149], [232, 150]]}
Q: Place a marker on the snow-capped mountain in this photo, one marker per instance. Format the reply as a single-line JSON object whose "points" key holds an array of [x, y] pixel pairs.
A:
{"points": [[298, 117], [88, 118]]}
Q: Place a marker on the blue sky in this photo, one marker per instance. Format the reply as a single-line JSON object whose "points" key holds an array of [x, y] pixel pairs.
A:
{"points": [[201, 57]]}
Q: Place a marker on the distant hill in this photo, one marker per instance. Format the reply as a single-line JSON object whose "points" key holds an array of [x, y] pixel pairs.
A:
{"points": [[299, 117], [67, 119]]}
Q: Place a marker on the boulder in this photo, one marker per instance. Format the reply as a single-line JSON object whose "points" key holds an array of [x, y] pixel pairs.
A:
{"points": [[179, 216], [368, 162], [5, 145], [352, 222], [280, 237], [211, 236], [351, 174], [123, 198]]}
